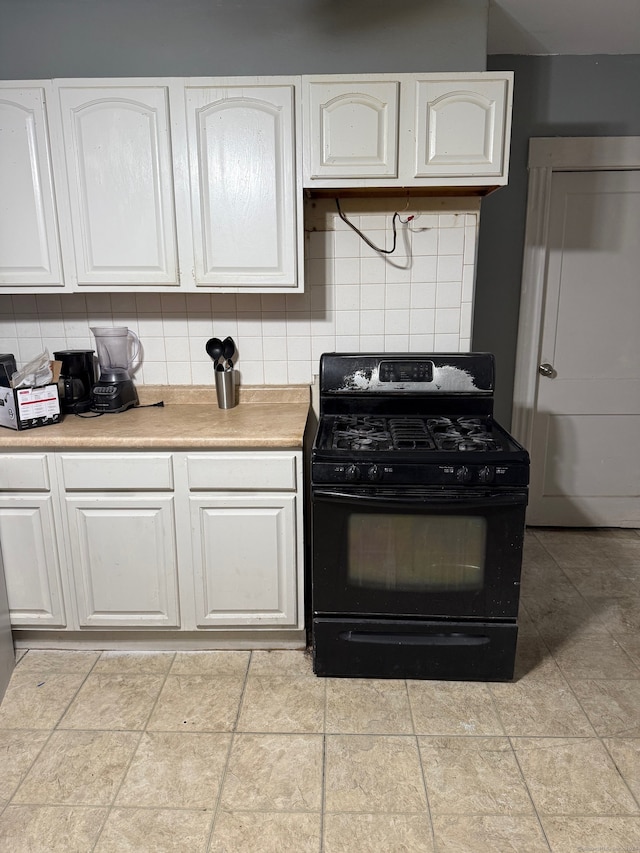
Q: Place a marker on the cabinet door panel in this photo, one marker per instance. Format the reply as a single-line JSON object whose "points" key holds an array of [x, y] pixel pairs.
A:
{"points": [[29, 240], [124, 560], [29, 553], [244, 560], [460, 128], [352, 128], [118, 162], [243, 185]]}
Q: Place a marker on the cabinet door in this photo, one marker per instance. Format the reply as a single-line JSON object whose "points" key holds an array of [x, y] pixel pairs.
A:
{"points": [[351, 129], [243, 177], [123, 553], [244, 560], [29, 240], [120, 177], [460, 129], [31, 566]]}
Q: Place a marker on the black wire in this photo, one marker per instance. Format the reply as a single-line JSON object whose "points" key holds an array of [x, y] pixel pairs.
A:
{"points": [[365, 238]]}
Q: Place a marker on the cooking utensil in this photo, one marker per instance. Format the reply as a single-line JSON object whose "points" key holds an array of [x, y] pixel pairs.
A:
{"points": [[214, 349], [228, 351]]}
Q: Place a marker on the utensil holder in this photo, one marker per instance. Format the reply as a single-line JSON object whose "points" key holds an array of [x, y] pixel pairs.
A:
{"points": [[226, 388]]}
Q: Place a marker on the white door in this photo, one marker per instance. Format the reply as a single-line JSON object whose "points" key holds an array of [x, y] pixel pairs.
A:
{"points": [[29, 240], [585, 422], [124, 561], [244, 560], [244, 189], [120, 176]]}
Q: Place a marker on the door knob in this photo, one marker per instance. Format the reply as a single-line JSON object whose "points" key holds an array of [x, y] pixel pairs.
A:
{"points": [[546, 369]]}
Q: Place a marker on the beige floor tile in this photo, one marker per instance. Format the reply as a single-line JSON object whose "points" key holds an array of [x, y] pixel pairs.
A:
{"points": [[560, 611], [631, 644], [155, 831], [612, 706], [175, 770], [594, 657], [572, 776], [615, 582], [533, 658], [452, 708], [272, 704], [113, 702], [20, 653], [373, 773], [50, 829], [626, 755], [35, 701], [540, 707], [211, 663], [270, 773], [78, 768], [291, 662], [46, 661], [18, 750], [575, 547], [275, 832], [489, 834], [473, 775], [133, 663], [377, 833], [365, 706], [597, 834], [197, 703], [620, 615]]}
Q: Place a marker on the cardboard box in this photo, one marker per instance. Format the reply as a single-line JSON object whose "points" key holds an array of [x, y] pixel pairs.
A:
{"points": [[25, 408]]}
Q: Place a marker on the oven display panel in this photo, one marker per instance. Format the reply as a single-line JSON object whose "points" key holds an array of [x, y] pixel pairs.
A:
{"points": [[406, 371]]}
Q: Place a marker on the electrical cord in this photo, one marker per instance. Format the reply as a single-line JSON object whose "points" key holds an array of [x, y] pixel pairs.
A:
{"points": [[100, 414], [364, 237]]}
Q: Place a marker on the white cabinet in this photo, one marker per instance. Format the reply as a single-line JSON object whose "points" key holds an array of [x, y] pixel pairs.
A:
{"points": [[246, 216], [245, 544], [29, 237], [118, 170], [352, 128], [410, 130], [184, 543], [120, 524], [29, 544]]}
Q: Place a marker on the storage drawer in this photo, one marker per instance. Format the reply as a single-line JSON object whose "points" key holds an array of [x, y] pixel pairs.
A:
{"points": [[117, 471], [242, 471], [24, 473]]}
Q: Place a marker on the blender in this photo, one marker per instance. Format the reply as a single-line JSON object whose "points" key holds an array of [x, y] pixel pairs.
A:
{"points": [[114, 391]]}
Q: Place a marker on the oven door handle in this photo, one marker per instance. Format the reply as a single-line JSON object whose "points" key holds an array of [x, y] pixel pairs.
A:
{"points": [[434, 500]]}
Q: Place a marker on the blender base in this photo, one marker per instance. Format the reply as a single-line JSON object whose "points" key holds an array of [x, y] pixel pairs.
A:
{"points": [[113, 397]]}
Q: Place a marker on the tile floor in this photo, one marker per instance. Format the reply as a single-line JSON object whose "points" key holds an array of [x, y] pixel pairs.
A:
{"points": [[239, 752]]}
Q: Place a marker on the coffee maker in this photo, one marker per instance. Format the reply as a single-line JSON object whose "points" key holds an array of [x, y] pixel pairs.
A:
{"points": [[77, 375], [114, 391]]}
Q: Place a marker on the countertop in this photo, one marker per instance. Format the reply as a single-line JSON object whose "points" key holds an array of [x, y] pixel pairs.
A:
{"points": [[266, 416]]}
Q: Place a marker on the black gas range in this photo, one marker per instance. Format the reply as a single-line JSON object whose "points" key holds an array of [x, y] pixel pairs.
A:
{"points": [[418, 504]]}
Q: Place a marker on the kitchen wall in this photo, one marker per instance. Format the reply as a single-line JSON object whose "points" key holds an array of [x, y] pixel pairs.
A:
{"points": [[553, 96], [417, 299]]}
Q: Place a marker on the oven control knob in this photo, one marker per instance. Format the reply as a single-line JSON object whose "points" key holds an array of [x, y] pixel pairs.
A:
{"points": [[463, 474], [352, 473], [486, 474], [374, 473]]}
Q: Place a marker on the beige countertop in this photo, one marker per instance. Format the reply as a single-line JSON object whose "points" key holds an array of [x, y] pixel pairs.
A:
{"points": [[267, 416]]}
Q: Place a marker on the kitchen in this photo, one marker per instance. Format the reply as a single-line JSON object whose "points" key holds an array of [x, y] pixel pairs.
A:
{"points": [[171, 317]]}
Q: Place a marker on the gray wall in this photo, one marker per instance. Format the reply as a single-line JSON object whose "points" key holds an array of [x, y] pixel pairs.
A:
{"points": [[107, 38], [553, 96]]}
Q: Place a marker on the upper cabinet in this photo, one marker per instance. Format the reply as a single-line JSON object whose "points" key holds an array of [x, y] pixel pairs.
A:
{"points": [[118, 171], [29, 238], [246, 216], [408, 130]]}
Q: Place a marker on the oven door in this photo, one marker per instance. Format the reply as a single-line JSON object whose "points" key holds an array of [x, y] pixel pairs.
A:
{"points": [[417, 553]]}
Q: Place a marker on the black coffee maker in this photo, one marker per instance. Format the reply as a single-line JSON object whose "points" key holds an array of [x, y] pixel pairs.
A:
{"points": [[77, 375]]}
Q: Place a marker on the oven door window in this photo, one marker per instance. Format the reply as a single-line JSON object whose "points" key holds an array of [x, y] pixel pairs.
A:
{"points": [[423, 553]]}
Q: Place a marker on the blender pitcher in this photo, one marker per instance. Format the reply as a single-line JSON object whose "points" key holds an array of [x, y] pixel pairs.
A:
{"points": [[117, 348]]}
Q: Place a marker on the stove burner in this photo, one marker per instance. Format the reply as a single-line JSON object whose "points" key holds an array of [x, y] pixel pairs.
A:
{"points": [[379, 433], [360, 432]]}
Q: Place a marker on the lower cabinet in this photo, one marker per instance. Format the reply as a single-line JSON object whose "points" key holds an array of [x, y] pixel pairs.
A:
{"points": [[175, 542]]}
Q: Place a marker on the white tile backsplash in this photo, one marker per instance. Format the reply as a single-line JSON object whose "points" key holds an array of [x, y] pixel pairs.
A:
{"points": [[419, 299]]}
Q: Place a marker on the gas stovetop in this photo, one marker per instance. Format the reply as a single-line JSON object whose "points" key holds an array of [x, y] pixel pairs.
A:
{"points": [[412, 419]]}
